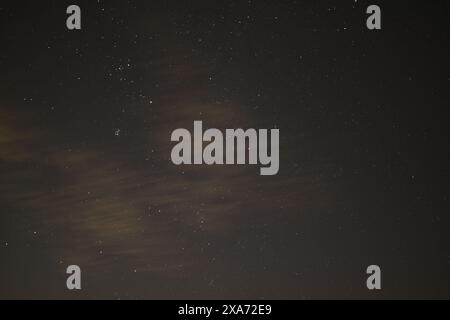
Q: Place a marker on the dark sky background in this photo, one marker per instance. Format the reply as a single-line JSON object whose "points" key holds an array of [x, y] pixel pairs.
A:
{"points": [[363, 119]]}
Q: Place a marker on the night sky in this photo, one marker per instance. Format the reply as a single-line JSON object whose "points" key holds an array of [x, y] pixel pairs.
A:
{"points": [[86, 177]]}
